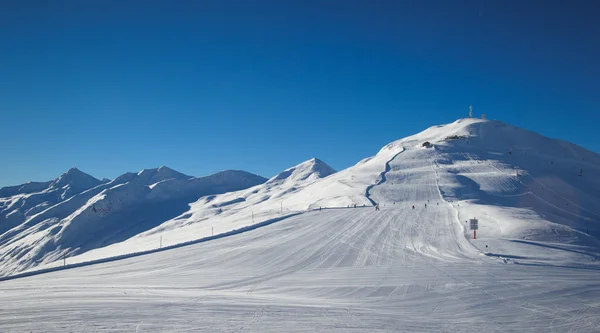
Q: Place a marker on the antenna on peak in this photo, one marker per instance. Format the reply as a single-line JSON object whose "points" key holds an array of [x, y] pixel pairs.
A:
{"points": [[470, 111]]}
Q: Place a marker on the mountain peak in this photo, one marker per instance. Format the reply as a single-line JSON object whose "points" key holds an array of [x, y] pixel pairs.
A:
{"points": [[75, 178], [308, 170], [152, 176], [73, 169]]}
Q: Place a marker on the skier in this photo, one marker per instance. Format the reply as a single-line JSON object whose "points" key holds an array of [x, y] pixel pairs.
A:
{"points": [[413, 206], [425, 205], [377, 207]]}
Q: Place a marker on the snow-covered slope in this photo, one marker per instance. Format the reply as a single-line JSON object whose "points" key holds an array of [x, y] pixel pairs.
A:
{"points": [[26, 188], [337, 270], [18, 203], [224, 212], [74, 181], [107, 213], [519, 184], [474, 163], [411, 267]]}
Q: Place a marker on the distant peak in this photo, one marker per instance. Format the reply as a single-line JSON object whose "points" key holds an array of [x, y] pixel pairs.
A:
{"points": [[315, 160], [310, 169], [75, 177], [72, 170], [151, 176]]}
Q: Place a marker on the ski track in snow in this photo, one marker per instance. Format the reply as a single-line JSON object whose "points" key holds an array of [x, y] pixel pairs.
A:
{"points": [[337, 270], [381, 178]]}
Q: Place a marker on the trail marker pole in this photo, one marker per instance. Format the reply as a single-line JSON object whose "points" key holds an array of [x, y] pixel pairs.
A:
{"points": [[212, 230], [65, 259], [474, 227]]}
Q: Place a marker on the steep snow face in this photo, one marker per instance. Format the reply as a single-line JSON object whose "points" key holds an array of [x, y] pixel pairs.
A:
{"points": [[29, 187], [27, 200], [74, 181], [110, 212]]}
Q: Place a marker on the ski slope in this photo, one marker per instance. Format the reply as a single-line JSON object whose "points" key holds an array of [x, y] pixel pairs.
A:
{"points": [[339, 270], [474, 172], [533, 268]]}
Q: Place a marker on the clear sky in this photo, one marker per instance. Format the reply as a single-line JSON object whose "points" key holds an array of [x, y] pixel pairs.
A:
{"points": [[202, 86]]}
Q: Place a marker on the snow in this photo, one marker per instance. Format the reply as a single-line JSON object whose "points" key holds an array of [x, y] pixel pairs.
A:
{"points": [[532, 268], [152, 176], [337, 270], [475, 170], [107, 213], [22, 202]]}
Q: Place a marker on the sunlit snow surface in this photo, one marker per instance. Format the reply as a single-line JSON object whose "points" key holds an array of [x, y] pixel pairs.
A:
{"points": [[533, 268]]}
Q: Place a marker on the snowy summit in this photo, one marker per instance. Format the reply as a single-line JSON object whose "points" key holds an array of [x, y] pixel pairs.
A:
{"points": [[385, 244]]}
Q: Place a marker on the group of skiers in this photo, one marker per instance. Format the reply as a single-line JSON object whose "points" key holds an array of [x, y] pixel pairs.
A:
{"points": [[377, 206], [413, 206]]}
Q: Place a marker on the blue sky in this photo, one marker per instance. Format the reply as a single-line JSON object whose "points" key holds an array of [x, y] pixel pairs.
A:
{"points": [[202, 86]]}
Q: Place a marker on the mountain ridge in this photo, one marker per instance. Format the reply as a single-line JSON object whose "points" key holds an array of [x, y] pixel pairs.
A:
{"points": [[475, 167], [472, 161], [108, 212]]}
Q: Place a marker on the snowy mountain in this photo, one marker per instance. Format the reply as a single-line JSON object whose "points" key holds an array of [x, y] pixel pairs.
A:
{"points": [[72, 182], [308, 171], [98, 214], [259, 199], [294, 252], [153, 176], [475, 162], [26, 188], [18, 203]]}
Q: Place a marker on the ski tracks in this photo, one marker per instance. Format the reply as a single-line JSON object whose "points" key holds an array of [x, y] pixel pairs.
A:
{"points": [[381, 178]]}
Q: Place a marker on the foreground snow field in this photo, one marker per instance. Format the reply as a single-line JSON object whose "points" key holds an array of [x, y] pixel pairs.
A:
{"points": [[410, 267], [343, 270]]}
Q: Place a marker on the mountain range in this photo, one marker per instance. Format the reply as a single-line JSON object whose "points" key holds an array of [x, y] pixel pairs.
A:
{"points": [[523, 185]]}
